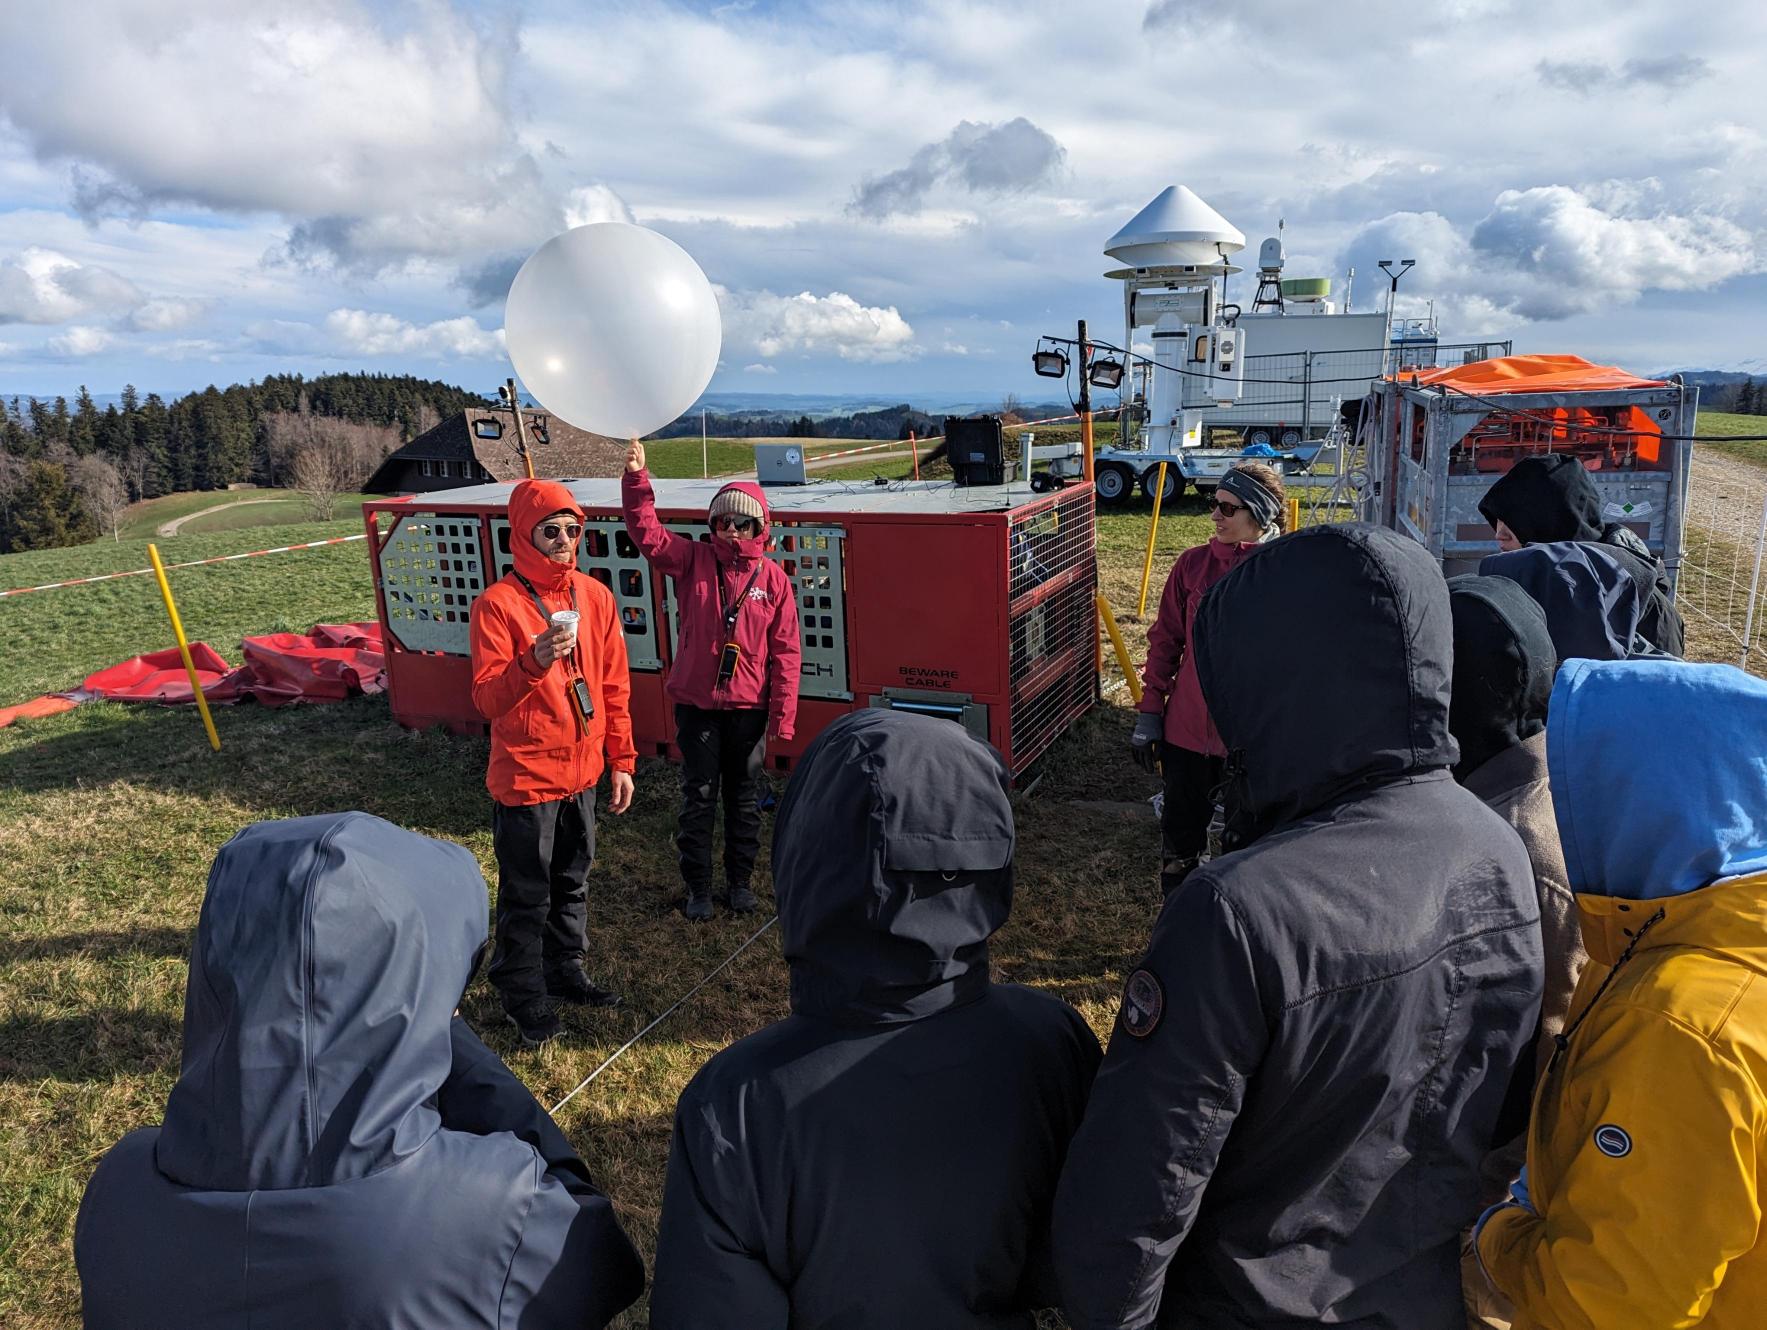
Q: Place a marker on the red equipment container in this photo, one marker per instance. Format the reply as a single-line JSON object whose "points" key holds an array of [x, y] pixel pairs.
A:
{"points": [[975, 604]]}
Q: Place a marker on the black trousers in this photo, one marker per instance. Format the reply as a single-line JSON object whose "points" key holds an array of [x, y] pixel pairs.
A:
{"points": [[720, 750], [1190, 780], [543, 856]]}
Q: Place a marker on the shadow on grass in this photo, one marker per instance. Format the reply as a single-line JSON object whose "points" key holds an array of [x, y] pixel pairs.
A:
{"points": [[92, 1046], [276, 763], [96, 945]]}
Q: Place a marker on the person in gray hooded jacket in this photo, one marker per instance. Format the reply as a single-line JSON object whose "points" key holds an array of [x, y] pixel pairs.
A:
{"points": [[886, 1155], [1312, 1058], [340, 1150]]}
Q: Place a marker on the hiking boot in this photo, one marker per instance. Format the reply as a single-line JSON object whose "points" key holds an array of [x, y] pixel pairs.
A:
{"points": [[537, 1020], [699, 904], [577, 987], [742, 901]]}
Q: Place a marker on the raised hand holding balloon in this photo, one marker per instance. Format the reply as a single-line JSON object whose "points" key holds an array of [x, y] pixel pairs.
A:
{"points": [[613, 328]]}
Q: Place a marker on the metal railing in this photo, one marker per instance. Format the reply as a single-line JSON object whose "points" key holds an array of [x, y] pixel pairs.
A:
{"points": [[1301, 390]]}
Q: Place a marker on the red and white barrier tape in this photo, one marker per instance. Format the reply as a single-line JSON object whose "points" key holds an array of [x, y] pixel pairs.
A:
{"points": [[926, 438], [193, 563]]}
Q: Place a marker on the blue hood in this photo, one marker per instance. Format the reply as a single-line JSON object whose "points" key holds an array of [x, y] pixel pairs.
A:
{"points": [[1659, 775], [329, 957]]}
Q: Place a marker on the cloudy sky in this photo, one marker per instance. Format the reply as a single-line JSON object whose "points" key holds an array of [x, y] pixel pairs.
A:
{"points": [[889, 197]]}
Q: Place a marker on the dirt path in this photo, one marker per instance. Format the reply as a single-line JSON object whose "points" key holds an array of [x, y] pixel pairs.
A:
{"points": [[171, 528], [1717, 479]]}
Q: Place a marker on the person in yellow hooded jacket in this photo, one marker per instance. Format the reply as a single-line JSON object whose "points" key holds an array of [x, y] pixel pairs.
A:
{"points": [[1641, 1204]]}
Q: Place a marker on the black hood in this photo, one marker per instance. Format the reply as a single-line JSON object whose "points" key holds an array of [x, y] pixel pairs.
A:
{"points": [[1589, 595], [1325, 659], [1545, 499], [1503, 668], [330, 954], [892, 864]]}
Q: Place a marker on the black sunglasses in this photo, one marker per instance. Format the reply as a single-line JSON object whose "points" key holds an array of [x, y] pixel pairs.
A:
{"points": [[724, 522], [552, 531], [1227, 509]]}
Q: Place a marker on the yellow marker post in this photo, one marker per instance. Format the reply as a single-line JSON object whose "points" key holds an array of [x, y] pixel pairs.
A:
{"points": [[202, 703], [1159, 492], [1116, 634], [1294, 513]]}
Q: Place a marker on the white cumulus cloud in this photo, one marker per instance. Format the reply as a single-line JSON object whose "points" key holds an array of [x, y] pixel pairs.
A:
{"points": [[80, 340], [1553, 252], [592, 203], [166, 314], [380, 334], [832, 324], [43, 286]]}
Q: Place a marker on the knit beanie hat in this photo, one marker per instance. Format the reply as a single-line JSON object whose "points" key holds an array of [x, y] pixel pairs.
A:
{"points": [[735, 502]]}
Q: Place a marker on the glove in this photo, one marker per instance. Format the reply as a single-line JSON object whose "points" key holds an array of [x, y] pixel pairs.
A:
{"points": [[1518, 1197], [1144, 742]]}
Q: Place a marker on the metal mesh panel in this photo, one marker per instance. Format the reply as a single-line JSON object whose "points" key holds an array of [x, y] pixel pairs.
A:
{"points": [[608, 555], [1052, 620], [431, 570], [811, 558]]}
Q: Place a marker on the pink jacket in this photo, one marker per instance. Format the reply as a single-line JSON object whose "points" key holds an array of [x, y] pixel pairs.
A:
{"points": [[1169, 679], [766, 626]]}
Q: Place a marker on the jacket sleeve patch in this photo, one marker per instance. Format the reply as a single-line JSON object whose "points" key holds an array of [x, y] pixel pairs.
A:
{"points": [[1614, 1142], [1144, 1002]]}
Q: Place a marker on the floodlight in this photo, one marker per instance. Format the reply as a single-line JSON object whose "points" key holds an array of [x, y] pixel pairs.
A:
{"points": [[1051, 362], [1105, 373]]}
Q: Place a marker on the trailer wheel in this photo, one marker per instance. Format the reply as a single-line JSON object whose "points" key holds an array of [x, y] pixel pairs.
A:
{"points": [[1256, 436], [1174, 484], [1113, 482], [1290, 437]]}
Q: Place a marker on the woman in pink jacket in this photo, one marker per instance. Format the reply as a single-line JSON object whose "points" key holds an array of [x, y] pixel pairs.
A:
{"points": [[734, 678], [1173, 734]]}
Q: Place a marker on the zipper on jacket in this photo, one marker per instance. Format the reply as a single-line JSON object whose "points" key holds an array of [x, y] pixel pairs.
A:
{"points": [[1561, 1041]]}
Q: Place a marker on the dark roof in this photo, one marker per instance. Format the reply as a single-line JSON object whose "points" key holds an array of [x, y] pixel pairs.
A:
{"points": [[566, 452]]}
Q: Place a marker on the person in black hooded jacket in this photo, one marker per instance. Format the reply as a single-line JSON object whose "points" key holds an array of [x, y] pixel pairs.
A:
{"points": [[1549, 498], [886, 1155], [1312, 1058], [340, 1150]]}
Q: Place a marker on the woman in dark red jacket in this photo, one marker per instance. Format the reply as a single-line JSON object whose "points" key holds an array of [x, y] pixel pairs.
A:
{"points": [[1173, 734], [734, 678]]}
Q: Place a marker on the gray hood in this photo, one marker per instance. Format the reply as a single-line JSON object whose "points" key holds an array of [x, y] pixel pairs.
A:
{"points": [[892, 862], [329, 957]]}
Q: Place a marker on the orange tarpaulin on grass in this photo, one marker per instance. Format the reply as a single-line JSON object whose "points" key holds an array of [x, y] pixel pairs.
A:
{"points": [[1533, 374]]}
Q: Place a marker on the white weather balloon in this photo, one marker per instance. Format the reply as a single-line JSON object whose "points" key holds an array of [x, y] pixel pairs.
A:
{"points": [[613, 328]]}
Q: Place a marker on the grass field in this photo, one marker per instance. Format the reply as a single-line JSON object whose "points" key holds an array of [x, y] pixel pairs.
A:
{"points": [[109, 816], [1725, 425]]}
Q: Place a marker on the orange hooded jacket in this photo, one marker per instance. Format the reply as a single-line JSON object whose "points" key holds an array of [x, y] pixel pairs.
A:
{"points": [[538, 752]]}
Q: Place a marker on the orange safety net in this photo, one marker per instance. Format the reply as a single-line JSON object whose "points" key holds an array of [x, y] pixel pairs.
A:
{"points": [[1602, 437], [1533, 374]]}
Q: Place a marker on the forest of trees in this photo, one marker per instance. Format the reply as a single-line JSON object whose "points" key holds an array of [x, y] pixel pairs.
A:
{"points": [[67, 470], [1747, 398]]}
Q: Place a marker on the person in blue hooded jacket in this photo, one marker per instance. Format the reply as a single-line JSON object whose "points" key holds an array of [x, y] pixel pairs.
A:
{"points": [[1641, 1205], [885, 1156], [340, 1150], [1592, 603]]}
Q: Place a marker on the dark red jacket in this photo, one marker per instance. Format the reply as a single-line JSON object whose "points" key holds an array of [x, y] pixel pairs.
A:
{"points": [[1168, 680], [766, 625], [537, 752]]}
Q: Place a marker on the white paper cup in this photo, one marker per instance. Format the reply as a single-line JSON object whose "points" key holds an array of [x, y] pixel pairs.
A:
{"points": [[566, 619]]}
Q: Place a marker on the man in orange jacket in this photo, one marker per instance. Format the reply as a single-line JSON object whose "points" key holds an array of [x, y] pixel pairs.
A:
{"points": [[557, 695]]}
